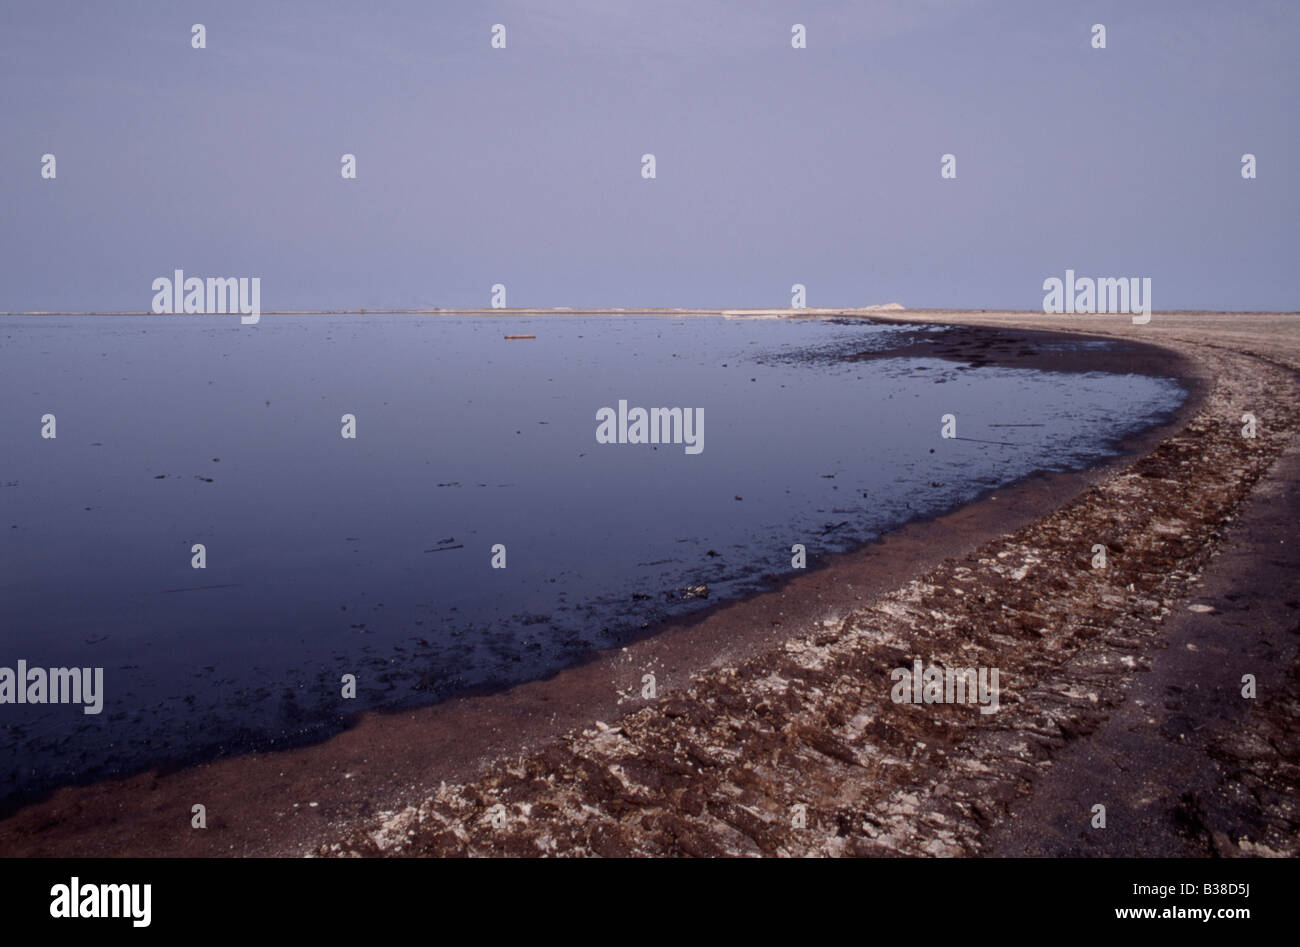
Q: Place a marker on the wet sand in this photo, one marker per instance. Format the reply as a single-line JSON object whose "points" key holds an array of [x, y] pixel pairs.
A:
{"points": [[783, 699]]}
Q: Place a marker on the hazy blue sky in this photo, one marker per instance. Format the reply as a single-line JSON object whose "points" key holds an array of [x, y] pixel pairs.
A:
{"points": [[775, 165]]}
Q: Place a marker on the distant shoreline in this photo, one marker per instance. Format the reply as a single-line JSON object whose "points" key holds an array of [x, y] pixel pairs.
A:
{"points": [[539, 311], [880, 311]]}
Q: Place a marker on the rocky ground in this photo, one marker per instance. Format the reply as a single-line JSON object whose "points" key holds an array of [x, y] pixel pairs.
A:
{"points": [[799, 750]]}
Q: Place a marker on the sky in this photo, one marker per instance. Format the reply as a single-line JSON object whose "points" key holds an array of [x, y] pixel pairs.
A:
{"points": [[774, 166]]}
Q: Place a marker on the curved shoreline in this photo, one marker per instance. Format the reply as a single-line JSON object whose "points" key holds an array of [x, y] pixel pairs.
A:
{"points": [[251, 800]]}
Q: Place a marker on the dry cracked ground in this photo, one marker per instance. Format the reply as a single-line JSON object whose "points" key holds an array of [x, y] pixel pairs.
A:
{"points": [[800, 750]]}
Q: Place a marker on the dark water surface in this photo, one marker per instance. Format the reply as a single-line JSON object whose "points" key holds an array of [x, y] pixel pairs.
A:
{"points": [[319, 559]]}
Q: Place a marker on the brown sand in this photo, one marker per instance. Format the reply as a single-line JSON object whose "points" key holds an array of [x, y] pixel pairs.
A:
{"points": [[784, 699]]}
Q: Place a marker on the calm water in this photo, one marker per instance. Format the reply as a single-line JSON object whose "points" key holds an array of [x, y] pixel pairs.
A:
{"points": [[319, 558]]}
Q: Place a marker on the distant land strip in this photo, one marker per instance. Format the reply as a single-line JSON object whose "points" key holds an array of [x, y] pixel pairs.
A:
{"points": [[623, 310]]}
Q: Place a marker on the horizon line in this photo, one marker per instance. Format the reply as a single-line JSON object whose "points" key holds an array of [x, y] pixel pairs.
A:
{"points": [[878, 310]]}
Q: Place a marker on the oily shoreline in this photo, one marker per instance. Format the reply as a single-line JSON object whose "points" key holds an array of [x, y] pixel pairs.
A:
{"points": [[800, 751], [262, 803]]}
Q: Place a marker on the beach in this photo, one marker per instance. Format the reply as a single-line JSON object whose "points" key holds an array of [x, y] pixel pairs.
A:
{"points": [[771, 729]]}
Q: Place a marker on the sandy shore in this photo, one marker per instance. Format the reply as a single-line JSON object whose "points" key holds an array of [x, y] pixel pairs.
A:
{"points": [[783, 700]]}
